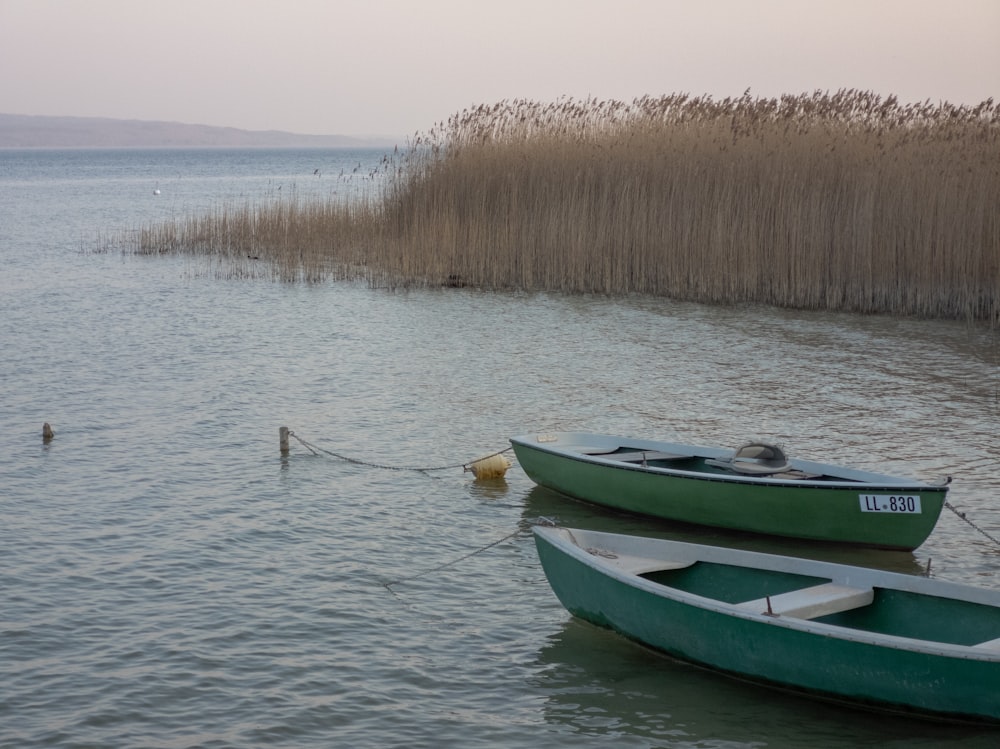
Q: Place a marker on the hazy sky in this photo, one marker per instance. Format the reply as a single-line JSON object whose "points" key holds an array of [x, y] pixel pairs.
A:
{"points": [[395, 67]]}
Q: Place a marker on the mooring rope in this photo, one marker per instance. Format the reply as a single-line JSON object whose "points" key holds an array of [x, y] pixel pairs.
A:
{"points": [[316, 450], [963, 517], [462, 558]]}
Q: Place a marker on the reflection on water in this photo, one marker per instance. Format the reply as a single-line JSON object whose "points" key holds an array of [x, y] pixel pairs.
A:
{"points": [[490, 489], [545, 503], [600, 684]]}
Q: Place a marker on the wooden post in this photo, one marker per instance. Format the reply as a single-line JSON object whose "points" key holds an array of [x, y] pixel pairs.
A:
{"points": [[283, 440], [47, 433]]}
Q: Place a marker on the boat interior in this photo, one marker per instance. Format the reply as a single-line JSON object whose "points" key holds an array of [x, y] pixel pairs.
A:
{"points": [[880, 610], [752, 459]]}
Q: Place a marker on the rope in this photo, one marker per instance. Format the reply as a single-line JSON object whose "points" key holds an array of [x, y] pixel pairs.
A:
{"points": [[962, 515], [316, 450], [462, 558]]}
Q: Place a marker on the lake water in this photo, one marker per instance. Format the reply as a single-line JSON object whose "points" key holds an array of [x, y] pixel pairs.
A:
{"points": [[169, 579]]}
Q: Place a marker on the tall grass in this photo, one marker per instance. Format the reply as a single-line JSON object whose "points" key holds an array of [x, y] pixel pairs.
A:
{"points": [[287, 239], [842, 201]]}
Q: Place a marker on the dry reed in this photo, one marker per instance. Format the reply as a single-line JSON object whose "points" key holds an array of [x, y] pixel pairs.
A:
{"points": [[842, 201], [288, 239]]}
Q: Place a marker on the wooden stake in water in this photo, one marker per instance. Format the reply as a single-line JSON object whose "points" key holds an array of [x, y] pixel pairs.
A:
{"points": [[282, 439]]}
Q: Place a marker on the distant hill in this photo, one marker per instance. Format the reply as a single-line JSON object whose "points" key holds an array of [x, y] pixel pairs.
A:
{"points": [[29, 131]]}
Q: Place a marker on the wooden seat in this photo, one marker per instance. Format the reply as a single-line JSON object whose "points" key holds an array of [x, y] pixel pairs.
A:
{"points": [[810, 603], [642, 456]]}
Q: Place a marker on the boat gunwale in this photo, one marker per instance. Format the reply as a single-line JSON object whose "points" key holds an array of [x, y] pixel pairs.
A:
{"points": [[866, 479], [563, 539]]}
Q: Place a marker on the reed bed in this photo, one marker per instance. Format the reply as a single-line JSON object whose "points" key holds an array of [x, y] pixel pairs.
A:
{"points": [[285, 239], [842, 201]]}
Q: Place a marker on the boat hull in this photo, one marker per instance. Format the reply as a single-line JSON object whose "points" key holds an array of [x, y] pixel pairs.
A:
{"points": [[816, 510], [772, 651]]}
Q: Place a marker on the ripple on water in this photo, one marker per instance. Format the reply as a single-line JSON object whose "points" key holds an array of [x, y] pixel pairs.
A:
{"points": [[169, 580]]}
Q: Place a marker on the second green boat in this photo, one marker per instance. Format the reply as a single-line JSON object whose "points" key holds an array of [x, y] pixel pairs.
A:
{"points": [[755, 488]]}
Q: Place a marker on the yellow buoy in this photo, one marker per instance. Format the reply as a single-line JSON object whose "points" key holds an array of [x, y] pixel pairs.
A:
{"points": [[490, 467]]}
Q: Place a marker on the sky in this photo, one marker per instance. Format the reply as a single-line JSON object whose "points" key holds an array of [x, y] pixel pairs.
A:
{"points": [[397, 67]]}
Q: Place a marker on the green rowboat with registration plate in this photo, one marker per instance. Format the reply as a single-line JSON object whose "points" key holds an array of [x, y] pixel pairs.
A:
{"points": [[754, 489], [901, 643]]}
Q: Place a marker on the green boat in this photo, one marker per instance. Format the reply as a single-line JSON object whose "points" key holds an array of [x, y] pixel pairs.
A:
{"points": [[882, 640], [755, 488]]}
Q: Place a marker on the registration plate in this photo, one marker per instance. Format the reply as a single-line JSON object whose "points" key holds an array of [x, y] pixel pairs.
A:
{"points": [[908, 504]]}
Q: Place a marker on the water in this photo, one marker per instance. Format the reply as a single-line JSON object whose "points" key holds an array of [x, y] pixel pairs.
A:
{"points": [[169, 580]]}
